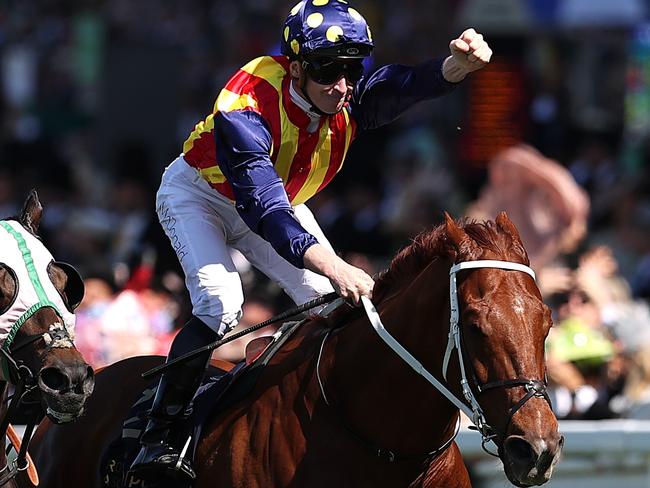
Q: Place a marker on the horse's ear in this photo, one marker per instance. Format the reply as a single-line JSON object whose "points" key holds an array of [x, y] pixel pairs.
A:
{"points": [[505, 224], [30, 216], [463, 244]]}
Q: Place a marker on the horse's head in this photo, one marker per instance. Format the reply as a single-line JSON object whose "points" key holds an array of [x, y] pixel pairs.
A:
{"points": [[503, 323], [38, 296]]}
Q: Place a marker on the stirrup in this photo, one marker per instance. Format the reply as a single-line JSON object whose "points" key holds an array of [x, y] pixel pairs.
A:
{"points": [[168, 463]]}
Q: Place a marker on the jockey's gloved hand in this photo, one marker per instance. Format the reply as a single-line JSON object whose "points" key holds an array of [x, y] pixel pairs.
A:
{"points": [[350, 282]]}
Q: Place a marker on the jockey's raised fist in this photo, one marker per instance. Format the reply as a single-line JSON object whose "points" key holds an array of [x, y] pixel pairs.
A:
{"points": [[469, 52]]}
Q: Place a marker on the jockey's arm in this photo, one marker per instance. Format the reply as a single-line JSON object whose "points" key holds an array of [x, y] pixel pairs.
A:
{"points": [[391, 90], [388, 92], [243, 144]]}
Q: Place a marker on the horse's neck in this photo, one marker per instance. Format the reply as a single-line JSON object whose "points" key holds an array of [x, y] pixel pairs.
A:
{"points": [[377, 391]]}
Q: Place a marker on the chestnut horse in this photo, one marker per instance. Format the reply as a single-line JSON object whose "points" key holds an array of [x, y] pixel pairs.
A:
{"points": [[339, 406], [37, 300]]}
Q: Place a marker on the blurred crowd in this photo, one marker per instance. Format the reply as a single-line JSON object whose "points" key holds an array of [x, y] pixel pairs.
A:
{"points": [[78, 123]]}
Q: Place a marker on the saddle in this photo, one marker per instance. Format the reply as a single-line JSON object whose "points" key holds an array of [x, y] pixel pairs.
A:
{"points": [[223, 385]]}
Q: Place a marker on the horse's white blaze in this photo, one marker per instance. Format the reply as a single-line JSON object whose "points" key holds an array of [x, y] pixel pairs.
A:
{"points": [[518, 306]]}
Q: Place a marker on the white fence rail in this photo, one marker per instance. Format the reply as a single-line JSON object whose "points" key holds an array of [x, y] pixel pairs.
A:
{"points": [[596, 454]]}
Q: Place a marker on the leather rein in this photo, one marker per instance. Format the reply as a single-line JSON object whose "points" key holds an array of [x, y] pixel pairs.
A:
{"points": [[25, 383]]}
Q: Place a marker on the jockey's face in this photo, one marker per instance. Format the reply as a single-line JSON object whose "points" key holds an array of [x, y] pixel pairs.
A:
{"points": [[330, 97]]}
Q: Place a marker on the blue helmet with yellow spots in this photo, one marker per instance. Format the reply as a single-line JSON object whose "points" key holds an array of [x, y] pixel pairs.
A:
{"points": [[328, 28]]}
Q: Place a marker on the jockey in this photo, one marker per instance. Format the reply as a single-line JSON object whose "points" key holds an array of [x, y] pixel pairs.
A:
{"points": [[278, 133]]}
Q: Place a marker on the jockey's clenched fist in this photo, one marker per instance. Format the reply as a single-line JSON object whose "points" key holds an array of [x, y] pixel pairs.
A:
{"points": [[469, 52]]}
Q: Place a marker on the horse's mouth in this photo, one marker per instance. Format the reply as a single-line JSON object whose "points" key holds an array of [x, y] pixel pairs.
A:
{"points": [[524, 484], [525, 480], [63, 417], [63, 407]]}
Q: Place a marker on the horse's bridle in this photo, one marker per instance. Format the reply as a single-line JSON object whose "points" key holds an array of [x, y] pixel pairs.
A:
{"points": [[471, 407], [58, 335], [534, 388], [25, 383]]}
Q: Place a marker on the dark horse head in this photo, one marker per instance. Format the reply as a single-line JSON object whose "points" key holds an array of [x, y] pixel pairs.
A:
{"points": [[38, 296]]}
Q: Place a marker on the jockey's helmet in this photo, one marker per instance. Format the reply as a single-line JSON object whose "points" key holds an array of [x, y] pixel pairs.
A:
{"points": [[326, 29]]}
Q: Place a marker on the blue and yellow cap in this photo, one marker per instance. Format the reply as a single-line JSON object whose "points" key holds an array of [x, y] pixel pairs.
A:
{"points": [[327, 28]]}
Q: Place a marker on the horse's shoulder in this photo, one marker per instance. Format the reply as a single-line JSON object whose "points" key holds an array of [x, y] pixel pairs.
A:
{"points": [[304, 339], [124, 375]]}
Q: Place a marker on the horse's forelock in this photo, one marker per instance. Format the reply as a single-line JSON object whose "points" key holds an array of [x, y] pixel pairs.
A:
{"points": [[491, 236]]}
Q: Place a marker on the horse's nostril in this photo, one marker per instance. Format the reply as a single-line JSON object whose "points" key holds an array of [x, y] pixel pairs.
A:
{"points": [[520, 451], [54, 379], [87, 383]]}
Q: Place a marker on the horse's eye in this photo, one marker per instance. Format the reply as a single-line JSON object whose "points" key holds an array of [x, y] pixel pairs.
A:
{"points": [[477, 327], [8, 287], [59, 279]]}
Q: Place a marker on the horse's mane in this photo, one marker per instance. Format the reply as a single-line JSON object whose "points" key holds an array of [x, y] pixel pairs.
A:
{"points": [[434, 244], [428, 246], [410, 260]]}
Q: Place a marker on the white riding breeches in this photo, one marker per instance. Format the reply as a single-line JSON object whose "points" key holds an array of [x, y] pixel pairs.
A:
{"points": [[202, 226]]}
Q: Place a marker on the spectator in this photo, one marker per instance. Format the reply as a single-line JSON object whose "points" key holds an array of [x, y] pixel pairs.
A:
{"points": [[100, 292], [544, 202], [66, 90]]}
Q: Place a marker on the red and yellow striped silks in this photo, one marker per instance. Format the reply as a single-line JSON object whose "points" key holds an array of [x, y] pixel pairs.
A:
{"points": [[305, 161]]}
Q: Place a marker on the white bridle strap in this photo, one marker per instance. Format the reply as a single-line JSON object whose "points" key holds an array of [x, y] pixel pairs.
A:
{"points": [[491, 263], [454, 336], [375, 321], [473, 411]]}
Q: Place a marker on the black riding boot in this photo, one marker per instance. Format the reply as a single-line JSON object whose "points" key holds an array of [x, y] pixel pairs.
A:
{"points": [[166, 433]]}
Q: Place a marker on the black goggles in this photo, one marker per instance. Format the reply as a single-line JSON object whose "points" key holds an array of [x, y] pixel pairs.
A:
{"points": [[326, 71]]}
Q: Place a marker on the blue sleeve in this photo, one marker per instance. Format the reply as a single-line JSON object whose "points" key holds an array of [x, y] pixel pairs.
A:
{"points": [[243, 145], [391, 90]]}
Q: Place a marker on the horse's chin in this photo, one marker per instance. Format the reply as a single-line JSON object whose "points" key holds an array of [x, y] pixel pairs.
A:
{"points": [[63, 417], [525, 480], [530, 461], [63, 410], [524, 484]]}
